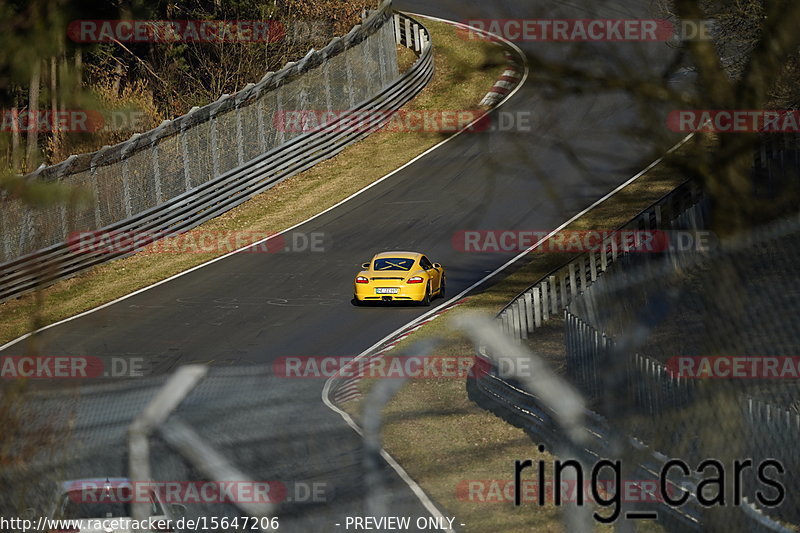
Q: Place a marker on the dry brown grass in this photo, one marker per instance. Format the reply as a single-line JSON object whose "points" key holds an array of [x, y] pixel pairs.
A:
{"points": [[441, 438], [461, 80]]}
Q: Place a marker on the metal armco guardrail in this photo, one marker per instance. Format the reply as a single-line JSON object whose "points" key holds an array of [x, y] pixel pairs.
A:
{"points": [[156, 166], [684, 207], [234, 187], [554, 292], [550, 296], [517, 406]]}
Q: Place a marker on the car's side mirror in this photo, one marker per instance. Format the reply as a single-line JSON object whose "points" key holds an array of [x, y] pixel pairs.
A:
{"points": [[437, 265], [178, 509], [365, 266]]}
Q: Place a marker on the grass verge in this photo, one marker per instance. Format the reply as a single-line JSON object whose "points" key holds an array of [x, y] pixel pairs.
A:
{"points": [[444, 440], [464, 72]]}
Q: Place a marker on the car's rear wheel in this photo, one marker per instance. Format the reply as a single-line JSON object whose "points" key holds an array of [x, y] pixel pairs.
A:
{"points": [[426, 300]]}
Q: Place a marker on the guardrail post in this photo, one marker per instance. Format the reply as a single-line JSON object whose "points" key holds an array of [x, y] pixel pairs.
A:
{"points": [[588, 361], [326, 74], [514, 319], [156, 173], [239, 135], [593, 266], [537, 309], [562, 283], [545, 303], [397, 36], [215, 144], [98, 220], [567, 337], [409, 40], [350, 81], [604, 255], [614, 250], [528, 302], [580, 272], [262, 124], [126, 187], [171, 394], [554, 295], [523, 325], [573, 285], [187, 173]]}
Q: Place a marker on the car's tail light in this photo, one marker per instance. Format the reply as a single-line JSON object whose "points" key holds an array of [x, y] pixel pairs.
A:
{"points": [[415, 279], [361, 279]]}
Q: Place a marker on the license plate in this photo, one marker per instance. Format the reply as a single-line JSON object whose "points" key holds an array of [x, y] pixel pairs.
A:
{"points": [[388, 290]]}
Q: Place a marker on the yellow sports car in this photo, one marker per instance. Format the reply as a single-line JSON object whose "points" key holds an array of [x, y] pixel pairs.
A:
{"points": [[399, 277]]}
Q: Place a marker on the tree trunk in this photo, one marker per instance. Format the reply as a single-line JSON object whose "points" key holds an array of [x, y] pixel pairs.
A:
{"points": [[33, 108], [118, 73], [56, 133], [16, 159]]}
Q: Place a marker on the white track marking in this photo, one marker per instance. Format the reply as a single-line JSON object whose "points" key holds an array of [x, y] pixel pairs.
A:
{"points": [[328, 384], [212, 261], [326, 390]]}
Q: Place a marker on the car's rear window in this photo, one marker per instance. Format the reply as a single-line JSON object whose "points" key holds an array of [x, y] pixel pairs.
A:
{"points": [[102, 504], [392, 263]]}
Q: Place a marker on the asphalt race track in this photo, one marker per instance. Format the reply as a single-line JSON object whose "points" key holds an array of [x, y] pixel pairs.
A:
{"points": [[251, 308]]}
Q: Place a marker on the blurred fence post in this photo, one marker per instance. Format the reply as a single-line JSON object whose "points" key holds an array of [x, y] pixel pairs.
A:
{"points": [[563, 401], [171, 394], [214, 466]]}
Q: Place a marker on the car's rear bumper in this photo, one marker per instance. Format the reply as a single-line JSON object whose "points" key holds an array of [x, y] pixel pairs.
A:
{"points": [[365, 292]]}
